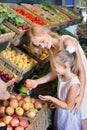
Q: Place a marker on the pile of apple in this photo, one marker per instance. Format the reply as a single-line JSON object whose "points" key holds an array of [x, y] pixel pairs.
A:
{"points": [[14, 122], [21, 105]]}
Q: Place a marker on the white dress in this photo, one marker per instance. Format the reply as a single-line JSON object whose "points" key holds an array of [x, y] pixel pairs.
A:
{"points": [[65, 119], [84, 101]]}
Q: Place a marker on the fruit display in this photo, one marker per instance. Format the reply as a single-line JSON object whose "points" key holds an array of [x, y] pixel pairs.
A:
{"points": [[54, 9], [13, 18], [42, 13], [18, 58], [53, 15], [39, 55], [21, 105], [30, 17], [21, 112]]}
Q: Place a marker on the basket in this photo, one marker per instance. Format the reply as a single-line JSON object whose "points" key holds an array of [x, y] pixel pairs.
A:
{"points": [[11, 74], [42, 119]]}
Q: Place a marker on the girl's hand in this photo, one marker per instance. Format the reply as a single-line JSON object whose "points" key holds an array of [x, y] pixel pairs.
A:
{"points": [[30, 84], [77, 105], [45, 98]]}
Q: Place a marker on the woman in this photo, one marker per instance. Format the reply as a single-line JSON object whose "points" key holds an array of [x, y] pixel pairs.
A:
{"points": [[42, 37]]}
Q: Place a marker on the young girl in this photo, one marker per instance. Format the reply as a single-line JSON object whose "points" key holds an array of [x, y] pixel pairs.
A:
{"points": [[42, 37], [65, 66]]}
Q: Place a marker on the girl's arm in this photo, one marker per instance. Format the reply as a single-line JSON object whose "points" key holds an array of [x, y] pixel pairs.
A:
{"points": [[70, 100]]}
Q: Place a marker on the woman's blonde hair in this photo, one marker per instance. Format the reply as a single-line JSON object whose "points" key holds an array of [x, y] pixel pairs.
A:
{"points": [[65, 56]]}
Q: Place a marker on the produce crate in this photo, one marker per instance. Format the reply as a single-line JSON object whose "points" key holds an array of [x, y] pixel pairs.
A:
{"points": [[28, 16], [42, 119], [6, 73], [14, 66], [5, 33], [44, 14], [75, 16], [40, 56], [14, 21]]}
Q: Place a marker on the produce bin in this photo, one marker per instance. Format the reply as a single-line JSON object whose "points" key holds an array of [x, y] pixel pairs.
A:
{"points": [[14, 59], [44, 14], [39, 56], [42, 119], [5, 33], [7, 76], [28, 16]]}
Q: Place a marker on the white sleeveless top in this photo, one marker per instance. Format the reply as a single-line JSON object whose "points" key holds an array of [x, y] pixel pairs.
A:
{"points": [[64, 86]]}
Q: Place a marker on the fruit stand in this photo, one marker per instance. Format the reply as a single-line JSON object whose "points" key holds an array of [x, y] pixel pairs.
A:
{"points": [[18, 62]]}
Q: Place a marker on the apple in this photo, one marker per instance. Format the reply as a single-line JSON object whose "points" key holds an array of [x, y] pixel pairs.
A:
{"points": [[9, 110], [27, 105], [24, 123], [14, 103], [28, 83], [14, 122], [38, 104], [31, 113], [7, 119], [27, 99], [9, 127], [13, 95], [33, 100], [19, 128], [2, 124], [19, 97], [2, 109], [19, 111], [20, 102], [6, 103]]}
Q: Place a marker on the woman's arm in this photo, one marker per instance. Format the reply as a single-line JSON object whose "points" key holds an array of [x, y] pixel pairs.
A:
{"points": [[82, 76], [70, 100], [49, 77]]}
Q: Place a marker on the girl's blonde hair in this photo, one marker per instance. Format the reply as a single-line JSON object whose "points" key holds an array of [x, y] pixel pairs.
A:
{"points": [[65, 56]]}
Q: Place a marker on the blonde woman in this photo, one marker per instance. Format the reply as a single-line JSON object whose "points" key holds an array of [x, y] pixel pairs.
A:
{"points": [[42, 37]]}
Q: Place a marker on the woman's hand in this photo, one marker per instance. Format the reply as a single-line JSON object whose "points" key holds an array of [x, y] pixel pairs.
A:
{"points": [[77, 104], [30, 84]]}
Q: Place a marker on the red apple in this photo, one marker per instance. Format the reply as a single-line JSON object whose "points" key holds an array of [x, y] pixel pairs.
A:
{"points": [[33, 100], [18, 97], [9, 127], [2, 109], [38, 104], [19, 128], [20, 102], [9, 110], [24, 123], [19, 111], [14, 122], [14, 103], [27, 99]]}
